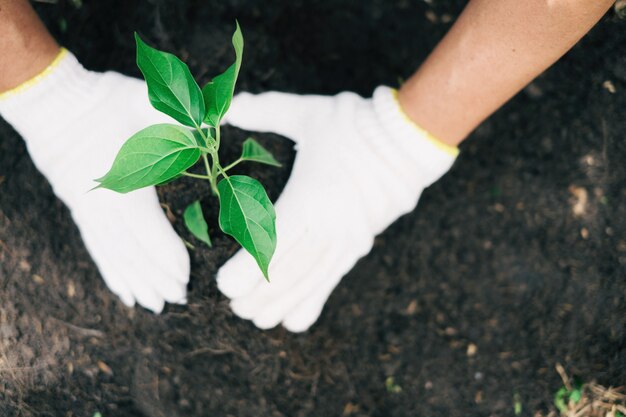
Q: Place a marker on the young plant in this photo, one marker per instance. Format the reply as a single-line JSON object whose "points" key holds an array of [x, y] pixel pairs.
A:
{"points": [[163, 152]]}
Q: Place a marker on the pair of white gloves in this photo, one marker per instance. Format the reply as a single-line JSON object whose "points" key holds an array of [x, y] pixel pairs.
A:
{"points": [[360, 164]]}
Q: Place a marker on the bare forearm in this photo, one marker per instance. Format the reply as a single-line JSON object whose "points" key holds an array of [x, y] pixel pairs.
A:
{"points": [[26, 47], [494, 49]]}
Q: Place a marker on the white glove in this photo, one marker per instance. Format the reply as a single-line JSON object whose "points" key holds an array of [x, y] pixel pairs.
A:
{"points": [[74, 122], [361, 164]]}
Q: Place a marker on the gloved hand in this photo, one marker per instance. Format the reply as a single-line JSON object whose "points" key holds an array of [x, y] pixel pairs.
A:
{"points": [[360, 164], [74, 122]]}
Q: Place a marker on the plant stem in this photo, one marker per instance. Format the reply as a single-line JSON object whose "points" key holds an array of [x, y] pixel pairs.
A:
{"points": [[222, 171], [210, 171], [216, 162], [202, 177], [212, 178], [215, 159], [229, 166], [207, 166], [217, 136]]}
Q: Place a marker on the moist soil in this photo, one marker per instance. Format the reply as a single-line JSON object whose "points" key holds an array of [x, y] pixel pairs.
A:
{"points": [[513, 262]]}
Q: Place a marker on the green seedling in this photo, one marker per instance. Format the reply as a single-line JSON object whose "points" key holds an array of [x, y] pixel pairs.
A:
{"points": [[391, 386], [163, 152], [564, 397], [517, 404]]}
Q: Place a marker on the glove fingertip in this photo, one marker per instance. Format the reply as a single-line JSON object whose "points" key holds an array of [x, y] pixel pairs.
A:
{"points": [[297, 327], [299, 324], [156, 304], [182, 301], [242, 309], [265, 323], [127, 299], [239, 276]]}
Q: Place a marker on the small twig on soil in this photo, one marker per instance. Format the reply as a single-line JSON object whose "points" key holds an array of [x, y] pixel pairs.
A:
{"points": [[218, 351], [12, 369], [5, 359], [610, 394], [303, 377], [5, 247], [563, 375], [168, 212], [211, 351], [81, 330]]}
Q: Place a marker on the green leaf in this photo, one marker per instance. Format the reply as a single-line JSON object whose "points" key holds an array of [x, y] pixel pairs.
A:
{"points": [[219, 93], [253, 151], [170, 180], [575, 395], [247, 214], [171, 88], [194, 220], [151, 156], [559, 400]]}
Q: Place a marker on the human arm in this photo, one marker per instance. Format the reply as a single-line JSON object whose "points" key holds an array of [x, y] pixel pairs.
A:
{"points": [[26, 46], [492, 51]]}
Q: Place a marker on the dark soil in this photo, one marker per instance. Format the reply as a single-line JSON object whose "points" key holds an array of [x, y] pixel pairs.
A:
{"points": [[467, 302]]}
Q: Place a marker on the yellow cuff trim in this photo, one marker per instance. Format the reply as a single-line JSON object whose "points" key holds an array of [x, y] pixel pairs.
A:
{"points": [[37, 78], [451, 150]]}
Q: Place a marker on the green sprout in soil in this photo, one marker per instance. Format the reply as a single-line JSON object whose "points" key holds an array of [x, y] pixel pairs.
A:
{"points": [[517, 404], [578, 399], [391, 386], [163, 152], [564, 397]]}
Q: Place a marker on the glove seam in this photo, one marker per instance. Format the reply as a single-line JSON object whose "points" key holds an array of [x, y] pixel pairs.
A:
{"points": [[26, 85], [450, 150]]}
